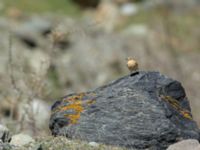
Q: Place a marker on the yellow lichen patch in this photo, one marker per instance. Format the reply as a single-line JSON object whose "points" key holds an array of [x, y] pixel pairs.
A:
{"points": [[73, 118], [77, 107], [176, 105], [186, 114], [76, 104], [75, 97]]}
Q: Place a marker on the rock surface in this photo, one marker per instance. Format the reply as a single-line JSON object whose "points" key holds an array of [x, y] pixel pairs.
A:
{"points": [[4, 134], [5, 146], [21, 139], [142, 110], [185, 145]]}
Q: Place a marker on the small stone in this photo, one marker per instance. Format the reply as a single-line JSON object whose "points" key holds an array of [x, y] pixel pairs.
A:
{"points": [[190, 144], [129, 9], [21, 139], [94, 144], [106, 16], [39, 62]]}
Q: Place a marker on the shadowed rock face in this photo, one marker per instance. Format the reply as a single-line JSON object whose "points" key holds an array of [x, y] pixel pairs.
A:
{"points": [[144, 110]]}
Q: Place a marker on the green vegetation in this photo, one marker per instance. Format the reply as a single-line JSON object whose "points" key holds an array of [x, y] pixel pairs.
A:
{"points": [[53, 79], [43, 6]]}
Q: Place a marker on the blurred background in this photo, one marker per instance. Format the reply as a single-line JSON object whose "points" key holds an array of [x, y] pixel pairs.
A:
{"points": [[52, 48]]}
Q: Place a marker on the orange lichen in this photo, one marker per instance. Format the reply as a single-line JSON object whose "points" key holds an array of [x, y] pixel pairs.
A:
{"points": [[77, 106], [75, 103], [75, 97], [73, 117], [186, 114], [176, 105]]}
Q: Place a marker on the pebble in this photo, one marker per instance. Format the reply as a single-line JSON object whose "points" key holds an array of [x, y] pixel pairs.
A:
{"points": [[94, 144]]}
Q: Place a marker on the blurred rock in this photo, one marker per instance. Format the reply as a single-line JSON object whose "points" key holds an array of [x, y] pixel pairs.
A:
{"points": [[39, 62], [9, 108], [93, 48], [35, 115], [37, 24], [107, 15], [189, 144], [128, 9], [5, 146], [136, 30], [179, 6], [142, 110], [31, 31], [4, 134], [21, 139], [41, 112]]}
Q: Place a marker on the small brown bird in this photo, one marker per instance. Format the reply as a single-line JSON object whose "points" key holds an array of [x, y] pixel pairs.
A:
{"points": [[132, 65]]}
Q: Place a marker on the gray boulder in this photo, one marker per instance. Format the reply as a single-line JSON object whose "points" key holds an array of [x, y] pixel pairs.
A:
{"points": [[142, 110]]}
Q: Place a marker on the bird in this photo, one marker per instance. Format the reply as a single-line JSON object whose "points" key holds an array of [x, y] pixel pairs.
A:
{"points": [[132, 65]]}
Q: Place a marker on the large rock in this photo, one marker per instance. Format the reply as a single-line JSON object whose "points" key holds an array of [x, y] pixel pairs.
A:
{"points": [[142, 110]]}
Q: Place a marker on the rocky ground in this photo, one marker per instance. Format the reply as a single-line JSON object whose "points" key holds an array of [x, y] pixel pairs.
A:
{"points": [[45, 56]]}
